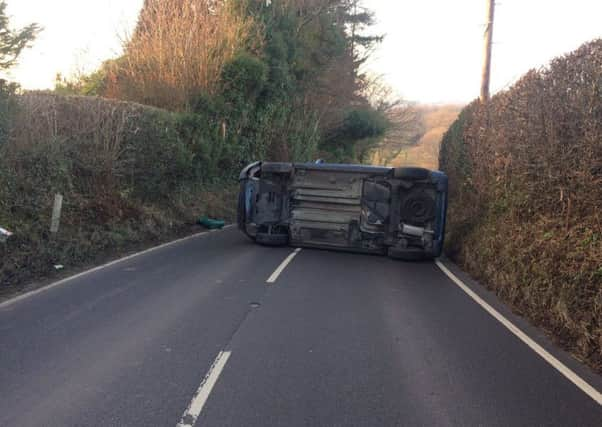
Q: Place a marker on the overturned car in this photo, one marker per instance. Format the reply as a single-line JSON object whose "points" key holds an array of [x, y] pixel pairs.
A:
{"points": [[395, 211]]}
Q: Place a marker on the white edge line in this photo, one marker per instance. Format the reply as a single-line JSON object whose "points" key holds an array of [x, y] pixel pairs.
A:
{"points": [[544, 354], [281, 267], [202, 394], [100, 267]]}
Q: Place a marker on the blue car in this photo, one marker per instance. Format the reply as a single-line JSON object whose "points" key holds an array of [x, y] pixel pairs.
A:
{"points": [[395, 211]]}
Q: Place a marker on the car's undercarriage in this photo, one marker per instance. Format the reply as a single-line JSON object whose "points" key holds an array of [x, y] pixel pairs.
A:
{"points": [[399, 211]]}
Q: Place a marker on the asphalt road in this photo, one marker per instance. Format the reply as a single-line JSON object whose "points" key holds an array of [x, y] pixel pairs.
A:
{"points": [[337, 340]]}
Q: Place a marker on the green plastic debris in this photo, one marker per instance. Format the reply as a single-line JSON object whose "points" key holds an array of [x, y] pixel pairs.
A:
{"points": [[212, 224]]}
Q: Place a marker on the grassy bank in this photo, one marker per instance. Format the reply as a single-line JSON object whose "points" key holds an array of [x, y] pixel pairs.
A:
{"points": [[526, 197], [129, 174]]}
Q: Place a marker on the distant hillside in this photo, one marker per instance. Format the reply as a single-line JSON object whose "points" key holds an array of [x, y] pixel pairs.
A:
{"points": [[416, 145]]}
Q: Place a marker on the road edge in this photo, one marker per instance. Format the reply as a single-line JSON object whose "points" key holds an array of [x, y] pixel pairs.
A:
{"points": [[17, 298], [581, 375]]}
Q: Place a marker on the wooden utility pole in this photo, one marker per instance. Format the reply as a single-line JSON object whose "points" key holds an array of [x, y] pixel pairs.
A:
{"points": [[487, 51]]}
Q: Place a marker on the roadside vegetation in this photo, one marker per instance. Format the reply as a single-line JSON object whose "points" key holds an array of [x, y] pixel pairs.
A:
{"points": [[126, 172], [413, 137], [526, 197], [280, 80], [152, 140]]}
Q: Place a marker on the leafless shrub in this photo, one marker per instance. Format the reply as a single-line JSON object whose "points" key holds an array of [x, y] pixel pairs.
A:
{"points": [[178, 49]]}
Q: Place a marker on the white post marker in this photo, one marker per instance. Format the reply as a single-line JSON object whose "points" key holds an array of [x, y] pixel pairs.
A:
{"points": [[543, 353], [56, 213], [4, 235], [281, 267], [202, 394]]}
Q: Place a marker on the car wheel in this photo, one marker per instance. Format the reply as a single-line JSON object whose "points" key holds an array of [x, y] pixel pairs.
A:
{"points": [[271, 239], [275, 167], [411, 174], [240, 212], [405, 254]]}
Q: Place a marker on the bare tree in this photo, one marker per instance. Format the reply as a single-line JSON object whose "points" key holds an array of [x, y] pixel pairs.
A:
{"points": [[179, 48]]}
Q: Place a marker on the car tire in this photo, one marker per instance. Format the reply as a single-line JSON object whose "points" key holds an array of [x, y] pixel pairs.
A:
{"points": [[404, 254], [411, 174], [240, 211], [274, 167], [271, 239]]}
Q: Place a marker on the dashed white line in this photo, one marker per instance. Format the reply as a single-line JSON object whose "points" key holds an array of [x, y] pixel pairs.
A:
{"points": [[281, 267], [202, 394], [553, 361]]}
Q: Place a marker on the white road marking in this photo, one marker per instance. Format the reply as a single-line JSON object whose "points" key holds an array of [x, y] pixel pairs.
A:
{"points": [[202, 394], [556, 364], [281, 267], [100, 267]]}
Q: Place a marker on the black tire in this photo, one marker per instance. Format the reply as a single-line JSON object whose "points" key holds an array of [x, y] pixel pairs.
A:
{"points": [[241, 208], [417, 206], [271, 239], [241, 214], [412, 174], [272, 167], [404, 254]]}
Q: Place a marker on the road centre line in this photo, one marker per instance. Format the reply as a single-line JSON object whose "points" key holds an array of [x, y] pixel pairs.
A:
{"points": [[544, 354], [202, 394], [281, 267]]}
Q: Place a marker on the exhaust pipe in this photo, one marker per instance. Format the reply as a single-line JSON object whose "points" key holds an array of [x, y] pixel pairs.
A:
{"points": [[412, 230]]}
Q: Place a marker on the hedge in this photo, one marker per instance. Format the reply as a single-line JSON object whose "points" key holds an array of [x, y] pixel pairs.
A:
{"points": [[526, 197]]}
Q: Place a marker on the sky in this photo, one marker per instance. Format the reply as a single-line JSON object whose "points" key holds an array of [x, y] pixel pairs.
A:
{"points": [[432, 51]]}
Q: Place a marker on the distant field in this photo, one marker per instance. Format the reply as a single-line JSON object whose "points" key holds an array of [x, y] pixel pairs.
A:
{"points": [[419, 146]]}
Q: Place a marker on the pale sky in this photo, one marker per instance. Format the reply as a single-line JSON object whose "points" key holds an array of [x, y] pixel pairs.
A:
{"points": [[432, 52]]}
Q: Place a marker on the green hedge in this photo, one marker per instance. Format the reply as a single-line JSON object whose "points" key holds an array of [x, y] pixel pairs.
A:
{"points": [[526, 197], [128, 174]]}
